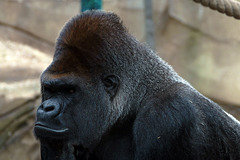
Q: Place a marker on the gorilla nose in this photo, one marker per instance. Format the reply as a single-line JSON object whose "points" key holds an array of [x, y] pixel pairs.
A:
{"points": [[49, 109]]}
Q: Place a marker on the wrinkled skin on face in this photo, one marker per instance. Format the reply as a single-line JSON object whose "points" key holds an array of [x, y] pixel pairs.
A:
{"points": [[74, 110]]}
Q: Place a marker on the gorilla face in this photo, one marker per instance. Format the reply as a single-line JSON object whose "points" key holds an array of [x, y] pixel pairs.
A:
{"points": [[75, 109]]}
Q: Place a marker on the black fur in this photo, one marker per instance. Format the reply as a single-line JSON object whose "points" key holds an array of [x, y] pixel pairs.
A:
{"points": [[106, 96]]}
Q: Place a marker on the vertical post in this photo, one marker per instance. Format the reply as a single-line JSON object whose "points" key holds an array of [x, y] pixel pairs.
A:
{"points": [[90, 4], [149, 24]]}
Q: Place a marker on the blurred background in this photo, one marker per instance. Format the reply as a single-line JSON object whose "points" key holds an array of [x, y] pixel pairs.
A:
{"points": [[202, 46]]}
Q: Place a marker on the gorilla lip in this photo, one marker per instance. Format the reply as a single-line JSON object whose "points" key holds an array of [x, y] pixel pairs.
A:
{"points": [[40, 128]]}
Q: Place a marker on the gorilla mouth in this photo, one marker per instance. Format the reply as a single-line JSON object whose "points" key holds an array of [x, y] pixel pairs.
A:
{"points": [[41, 130]]}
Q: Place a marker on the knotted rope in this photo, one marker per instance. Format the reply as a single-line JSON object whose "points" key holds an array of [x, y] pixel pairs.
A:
{"points": [[229, 7]]}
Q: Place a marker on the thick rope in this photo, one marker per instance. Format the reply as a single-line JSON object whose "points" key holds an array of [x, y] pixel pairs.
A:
{"points": [[229, 7]]}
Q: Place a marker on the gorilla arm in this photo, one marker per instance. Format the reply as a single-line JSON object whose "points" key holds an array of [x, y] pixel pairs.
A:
{"points": [[179, 124], [161, 122]]}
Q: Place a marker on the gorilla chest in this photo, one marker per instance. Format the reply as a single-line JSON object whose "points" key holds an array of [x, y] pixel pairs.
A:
{"points": [[117, 147]]}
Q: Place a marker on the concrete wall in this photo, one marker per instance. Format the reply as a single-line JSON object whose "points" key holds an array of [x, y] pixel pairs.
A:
{"points": [[202, 45]]}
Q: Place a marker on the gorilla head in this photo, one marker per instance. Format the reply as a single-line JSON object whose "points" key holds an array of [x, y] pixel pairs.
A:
{"points": [[107, 96], [87, 87]]}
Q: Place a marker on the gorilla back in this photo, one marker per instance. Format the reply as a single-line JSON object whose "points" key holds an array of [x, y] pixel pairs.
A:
{"points": [[107, 96]]}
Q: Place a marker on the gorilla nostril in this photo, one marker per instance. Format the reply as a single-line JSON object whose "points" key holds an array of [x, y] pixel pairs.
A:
{"points": [[49, 108]]}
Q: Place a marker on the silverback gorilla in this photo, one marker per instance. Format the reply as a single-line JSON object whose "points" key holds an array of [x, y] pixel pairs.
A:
{"points": [[106, 96]]}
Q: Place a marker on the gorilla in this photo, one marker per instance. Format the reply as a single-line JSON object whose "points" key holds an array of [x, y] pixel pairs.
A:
{"points": [[106, 96]]}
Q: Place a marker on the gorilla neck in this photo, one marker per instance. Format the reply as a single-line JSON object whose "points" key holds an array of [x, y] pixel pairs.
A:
{"points": [[118, 142], [55, 150]]}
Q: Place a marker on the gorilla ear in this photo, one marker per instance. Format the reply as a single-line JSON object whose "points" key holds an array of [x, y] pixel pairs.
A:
{"points": [[111, 83]]}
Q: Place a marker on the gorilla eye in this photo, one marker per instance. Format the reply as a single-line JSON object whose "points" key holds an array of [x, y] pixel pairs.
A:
{"points": [[111, 83], [68, 89], [71, 90]]}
